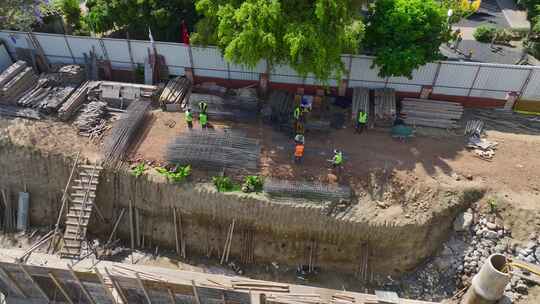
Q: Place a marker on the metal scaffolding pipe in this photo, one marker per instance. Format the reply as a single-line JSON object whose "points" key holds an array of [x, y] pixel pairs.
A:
{"points": [[488, 284]]}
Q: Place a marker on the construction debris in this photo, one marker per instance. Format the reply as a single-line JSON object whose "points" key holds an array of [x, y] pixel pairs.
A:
{"points": [[482, 148], [474, 127], [306, 190], [121, 95], [14, 111], [46, 97], [205, 148], [431, 113], [91, 119], [175, 92], [15, 80], [72, 73], [125, 131]]}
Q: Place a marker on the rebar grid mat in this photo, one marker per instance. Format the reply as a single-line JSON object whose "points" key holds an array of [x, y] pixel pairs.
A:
{"points": [[307, 190], [215, 150], [125, 131]]}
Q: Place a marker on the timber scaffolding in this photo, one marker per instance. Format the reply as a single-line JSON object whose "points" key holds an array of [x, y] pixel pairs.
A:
{"points": [[109, 282], [213, 150], [306, 190]]}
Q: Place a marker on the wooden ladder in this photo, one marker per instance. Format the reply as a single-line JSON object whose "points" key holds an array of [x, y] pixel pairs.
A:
{"points": [[82, 197]]}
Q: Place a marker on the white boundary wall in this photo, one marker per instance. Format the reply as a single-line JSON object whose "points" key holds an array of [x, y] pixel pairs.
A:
{"points": [[484, 80]]}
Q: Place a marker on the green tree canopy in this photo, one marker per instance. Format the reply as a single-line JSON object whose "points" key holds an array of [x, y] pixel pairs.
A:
{"points": [[22, 14], [310, 36], [406, 34], [162, 16]]}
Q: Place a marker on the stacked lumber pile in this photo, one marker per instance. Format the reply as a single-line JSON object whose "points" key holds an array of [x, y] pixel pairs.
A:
{"points": [[74, 102], [175, 92], [72, 73], [385, 104], [431, 113], [15, 80], [360, 102], [259, 286], [13, 111], [91, 119], [46, 96]]}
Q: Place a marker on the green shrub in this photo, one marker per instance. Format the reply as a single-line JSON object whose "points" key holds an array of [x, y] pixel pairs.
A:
{"points": [[252, 183], [224, 184], [492, 203], [484, 33], [71, 11], [175, 175], [138, 170]]}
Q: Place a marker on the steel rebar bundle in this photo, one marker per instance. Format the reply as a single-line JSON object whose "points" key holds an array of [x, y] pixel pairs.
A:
{"points": [[125, 131], [214, 150], [91, 120], [307, 190]]}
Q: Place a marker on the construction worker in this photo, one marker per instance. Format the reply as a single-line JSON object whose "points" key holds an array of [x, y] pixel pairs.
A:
{"points": [[361, 121], [299, 139], [297, 113], [203, 106], [337, 160], [298, 152], [189, 118], [203, 119]]}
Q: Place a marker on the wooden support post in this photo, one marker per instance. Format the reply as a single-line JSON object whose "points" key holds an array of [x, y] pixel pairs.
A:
{"points": [[131, 232], [107, 290], [137, 228], [13, 283], [195, 293], [176, 231], [171, 296], [182, 237], [146, 295], [86, 293], [116, 225], [61, 288], [36, 285]]}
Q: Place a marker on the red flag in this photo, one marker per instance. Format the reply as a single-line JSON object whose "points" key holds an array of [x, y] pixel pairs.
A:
{"points": [[185, 33]]}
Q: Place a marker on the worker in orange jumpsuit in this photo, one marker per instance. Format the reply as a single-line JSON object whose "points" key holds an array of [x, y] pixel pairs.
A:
{"points": [[299, 152]]}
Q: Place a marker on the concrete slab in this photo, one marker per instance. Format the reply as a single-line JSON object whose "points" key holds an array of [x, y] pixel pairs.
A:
{"points": [[514, 16]]}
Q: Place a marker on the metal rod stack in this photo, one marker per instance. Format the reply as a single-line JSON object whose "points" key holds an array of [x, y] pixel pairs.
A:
{"points": [[385, 104], [125, 131], [90, 120], [307, 190], [8, 212], [281, 105], [214, 150], [14, 111], [15, 80], [175, 91], [74, 102], [235, 108], [431, 113], [360, 102], [474, 127]]}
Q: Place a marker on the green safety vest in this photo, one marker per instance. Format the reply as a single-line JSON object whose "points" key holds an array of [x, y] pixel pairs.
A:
{"points": [[338, 158], [189, 116], [296, 113], [362, 117], [203, 118]]}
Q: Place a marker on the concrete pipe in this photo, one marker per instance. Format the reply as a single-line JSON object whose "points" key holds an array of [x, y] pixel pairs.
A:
{"points": [[488, 285]]}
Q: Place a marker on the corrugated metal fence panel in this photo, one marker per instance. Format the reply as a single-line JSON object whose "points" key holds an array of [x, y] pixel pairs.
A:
{"points": [[208, 58], [361, 70], [259, 68], [14, 39], [245, 75], [81, 45], [405, 87], [285, 74], [176, 54], [456, 75], [488, 94], [5, 60], [139, 50], [365, 84], [53, 45], [450, 91], [532, 91], [501, 79], [118, 52], [421, 76]]}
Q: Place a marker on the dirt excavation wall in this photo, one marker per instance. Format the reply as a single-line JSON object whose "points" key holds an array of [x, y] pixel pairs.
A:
{"points": [[265, 231]]}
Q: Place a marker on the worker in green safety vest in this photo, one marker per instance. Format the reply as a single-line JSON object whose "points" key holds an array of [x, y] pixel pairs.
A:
{"points": [[361, 121], [297, 113], [203, 106], [189, 118], [203, 119], [337, 160]]}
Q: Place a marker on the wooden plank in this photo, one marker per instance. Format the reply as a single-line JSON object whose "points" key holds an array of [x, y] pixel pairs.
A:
{"points": [[146, 295], [117, 287], [107, 290], [116, 225], [197, 299], [61, 288], [176, 231], [13, 283], [171, 296], [86, 293], [36, 285]]}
